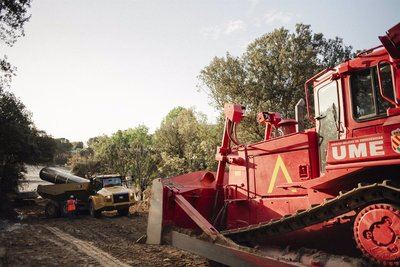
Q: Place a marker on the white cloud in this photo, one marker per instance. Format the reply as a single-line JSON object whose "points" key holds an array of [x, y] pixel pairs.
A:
{"points": [[215, 32], [277, 17], [212, 32], [234, 26]]}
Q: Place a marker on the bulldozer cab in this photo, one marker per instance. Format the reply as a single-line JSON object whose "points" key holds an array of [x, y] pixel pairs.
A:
{"points": [[356, 97], [353, 104]]}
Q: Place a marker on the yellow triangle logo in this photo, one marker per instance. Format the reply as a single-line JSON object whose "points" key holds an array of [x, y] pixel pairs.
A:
{"points": [[279, 165]]}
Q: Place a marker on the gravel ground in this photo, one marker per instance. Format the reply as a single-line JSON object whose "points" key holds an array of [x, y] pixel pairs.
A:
{"points": [[34, 240]]}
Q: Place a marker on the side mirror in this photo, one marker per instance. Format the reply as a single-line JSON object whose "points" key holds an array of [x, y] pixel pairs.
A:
{"points": [[391, 42], [394, 93], [300, 115]]}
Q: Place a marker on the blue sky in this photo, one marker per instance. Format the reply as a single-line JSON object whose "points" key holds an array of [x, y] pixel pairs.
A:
{"points": [[87, 68]]}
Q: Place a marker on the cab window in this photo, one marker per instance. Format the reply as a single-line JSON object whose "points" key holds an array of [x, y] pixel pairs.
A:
{"points": [[109, 182], [367, 100], [328, 118], [328, 101]]}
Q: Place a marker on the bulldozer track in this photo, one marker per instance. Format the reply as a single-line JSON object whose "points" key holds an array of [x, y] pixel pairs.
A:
{"points": [[102, 257], [354, 199]]}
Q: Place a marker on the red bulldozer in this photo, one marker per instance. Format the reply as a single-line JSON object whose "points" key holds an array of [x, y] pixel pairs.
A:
{"points": [[334, 187]]}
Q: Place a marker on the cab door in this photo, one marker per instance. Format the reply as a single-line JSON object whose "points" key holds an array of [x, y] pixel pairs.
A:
{"points": [[327, 109]]}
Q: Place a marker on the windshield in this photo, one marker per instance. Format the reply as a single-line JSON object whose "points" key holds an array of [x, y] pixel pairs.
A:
{"points": [[114, 181], [367, 100]]}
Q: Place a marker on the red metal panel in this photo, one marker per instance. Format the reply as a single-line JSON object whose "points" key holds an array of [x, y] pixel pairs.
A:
{"points": [[365, 148], [198, 193], [276, 162], [196, 217]]}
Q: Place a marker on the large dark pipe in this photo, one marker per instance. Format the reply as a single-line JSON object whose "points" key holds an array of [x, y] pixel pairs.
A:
{"points": [[56, 176]]}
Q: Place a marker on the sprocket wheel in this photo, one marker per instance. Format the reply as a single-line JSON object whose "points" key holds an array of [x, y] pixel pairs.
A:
{"points": [[377, 233]]}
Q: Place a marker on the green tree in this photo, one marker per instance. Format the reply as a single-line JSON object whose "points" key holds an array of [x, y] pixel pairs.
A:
{"points": [[15, 135], [45, 147], [91, 160], [20, 143], [62, 151], [13, 16], [7, 71], [139, 154], [128, 152], [83, 164], [185, 142], [270, 75], [126, 148], [77, 145]]}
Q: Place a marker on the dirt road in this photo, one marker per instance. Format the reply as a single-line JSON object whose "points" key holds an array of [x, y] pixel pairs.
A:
{"points": [[109, 241]]}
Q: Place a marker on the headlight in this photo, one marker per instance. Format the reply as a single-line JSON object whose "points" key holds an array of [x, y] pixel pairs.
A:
{"points": [[108, 198]]}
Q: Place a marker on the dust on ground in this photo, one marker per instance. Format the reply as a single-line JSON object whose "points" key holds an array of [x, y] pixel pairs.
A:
{"points": [[34, 240]]}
